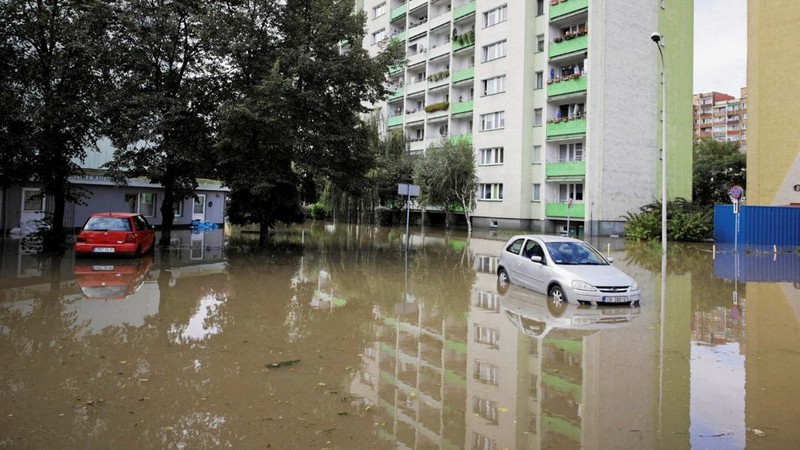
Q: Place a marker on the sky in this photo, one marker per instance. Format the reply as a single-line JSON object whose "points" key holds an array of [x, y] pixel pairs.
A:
{"points": [[720, 46]]}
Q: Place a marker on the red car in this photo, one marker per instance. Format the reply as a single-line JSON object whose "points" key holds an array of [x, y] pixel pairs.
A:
{"points": [[115, 234]]}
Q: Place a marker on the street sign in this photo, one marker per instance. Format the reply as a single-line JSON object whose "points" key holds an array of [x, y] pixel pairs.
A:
{"points": [[736, 192], [410, 190]]}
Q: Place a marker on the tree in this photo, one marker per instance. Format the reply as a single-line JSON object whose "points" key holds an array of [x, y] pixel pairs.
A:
{"points": [[296, 111], [717, 167], [447, 177], [52, 84], [169, 80]]}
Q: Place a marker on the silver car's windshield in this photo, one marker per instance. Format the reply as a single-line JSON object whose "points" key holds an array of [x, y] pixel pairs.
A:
{"points": [[574, 253]]}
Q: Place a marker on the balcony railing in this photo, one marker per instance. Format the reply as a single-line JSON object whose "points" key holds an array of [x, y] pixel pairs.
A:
{"points": [[398, 12], [464, 40], [463, 74], [455, 138], [464, 10], [397, 93], [566, 46], [576, 211], [462, 107], [567, 168], [562, 8], [394, 121], [563, 86], [566, 128]]}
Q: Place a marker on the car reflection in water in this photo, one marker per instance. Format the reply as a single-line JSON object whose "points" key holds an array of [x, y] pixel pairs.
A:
{"points": [[112, 279], [537, 315]]}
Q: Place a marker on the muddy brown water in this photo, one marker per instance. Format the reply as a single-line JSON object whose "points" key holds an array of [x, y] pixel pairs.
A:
{"points": [[338, 338]]}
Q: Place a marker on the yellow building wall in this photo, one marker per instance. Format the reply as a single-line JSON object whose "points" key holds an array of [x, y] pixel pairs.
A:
{"points": [[773, 110]]}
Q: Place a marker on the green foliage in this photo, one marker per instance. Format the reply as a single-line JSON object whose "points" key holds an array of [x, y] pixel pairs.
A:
{"points": [[717, 167], [317, 211], [685, 222], [439, 106]]}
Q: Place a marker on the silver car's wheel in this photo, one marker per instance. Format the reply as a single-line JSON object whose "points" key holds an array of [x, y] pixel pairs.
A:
{"points": [[503, 281], [557, 299]]}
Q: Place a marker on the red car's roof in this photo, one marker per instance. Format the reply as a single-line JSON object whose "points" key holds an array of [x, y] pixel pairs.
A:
{"points": [[119, 215]]}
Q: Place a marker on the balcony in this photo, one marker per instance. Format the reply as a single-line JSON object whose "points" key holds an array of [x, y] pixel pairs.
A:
{"points": [[567, 46], [456, 138], [566, 86], [396, 68], [397, 93], [566, 169], [566, 128], [577, 211], [464, 10], [463, 74], [400, 37], [564, 8], [463, 41], [398, 12], [462, 107], [438, 50], [394, 121], [416, 146]]}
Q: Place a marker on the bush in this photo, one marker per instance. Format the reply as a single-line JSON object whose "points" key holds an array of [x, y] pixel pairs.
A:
{"points": [[685, 222], [317, 211]]}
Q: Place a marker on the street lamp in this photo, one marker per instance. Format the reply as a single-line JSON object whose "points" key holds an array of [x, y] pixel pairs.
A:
{"points": [[657, 38]]}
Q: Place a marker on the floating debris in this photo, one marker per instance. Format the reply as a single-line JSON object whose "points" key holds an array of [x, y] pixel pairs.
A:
{"points": [[281, 363]]}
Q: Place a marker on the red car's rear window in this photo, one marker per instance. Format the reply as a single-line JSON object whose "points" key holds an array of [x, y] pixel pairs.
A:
{"points": [[108, 224]]}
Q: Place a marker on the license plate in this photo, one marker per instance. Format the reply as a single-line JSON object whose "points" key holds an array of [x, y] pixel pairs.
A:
{"points": [[615, 311], [103, 268], [616, 299], [103, 250]]}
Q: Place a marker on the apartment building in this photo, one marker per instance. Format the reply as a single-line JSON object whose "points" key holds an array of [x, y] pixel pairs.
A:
{"points": [[773, 156], [561, 101], [720, 117]]}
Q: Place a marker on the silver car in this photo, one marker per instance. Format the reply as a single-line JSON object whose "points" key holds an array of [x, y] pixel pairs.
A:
{"points": [[565, 269]]}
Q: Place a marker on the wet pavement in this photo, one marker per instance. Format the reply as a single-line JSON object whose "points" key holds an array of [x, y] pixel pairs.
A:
{"points": [[340, 339]]}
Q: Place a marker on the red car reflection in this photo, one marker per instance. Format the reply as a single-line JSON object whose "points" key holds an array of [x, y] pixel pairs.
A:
{"points": [[112, 279]]}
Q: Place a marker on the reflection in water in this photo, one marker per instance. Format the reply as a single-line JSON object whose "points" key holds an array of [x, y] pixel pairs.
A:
{"points": [[387, 349]]}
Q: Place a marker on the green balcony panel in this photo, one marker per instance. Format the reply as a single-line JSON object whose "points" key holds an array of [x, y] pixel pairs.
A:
{"points": [[398, 93], [396, 68], [567, 7], [577, 211], [398, 12], [563, 169], [571, 127], [567, 86], [461, 107], [400, 37], [458, 46], [458, 137], [578, 44], [463, 74], [394, 121], [464, 10]]}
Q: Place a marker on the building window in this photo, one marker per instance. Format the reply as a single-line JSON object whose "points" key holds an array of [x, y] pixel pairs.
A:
{"points": [[494, 85], [493, 121], [491, 191], [495, 16], [379, 10], [539, 43], [537, 154], [537, 117], [539, 80], [485, 335], [486, 373], [537, 192], [539, 7], [491, 156], [378, 36], [143, 203], [570, 191], [178, 209], [32, 201], [570, 152], [494, 51]]}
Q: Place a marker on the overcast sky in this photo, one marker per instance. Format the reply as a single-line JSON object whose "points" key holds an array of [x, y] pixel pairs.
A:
{"points": [[720, 46]]}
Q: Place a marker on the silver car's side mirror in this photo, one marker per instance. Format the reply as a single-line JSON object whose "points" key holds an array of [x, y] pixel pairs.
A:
{"points": [[610, 260], [536, 259]]}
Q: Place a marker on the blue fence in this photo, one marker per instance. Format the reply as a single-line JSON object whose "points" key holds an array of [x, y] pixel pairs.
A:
{"points": [[758, 226]]}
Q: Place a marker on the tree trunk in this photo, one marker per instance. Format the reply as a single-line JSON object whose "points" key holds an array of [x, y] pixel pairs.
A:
{"points": [[167, 213], [469, 219], [55, 236], [263, 233]]}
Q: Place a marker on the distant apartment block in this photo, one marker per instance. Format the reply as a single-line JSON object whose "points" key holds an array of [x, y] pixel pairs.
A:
{"points": [[720, 117]]}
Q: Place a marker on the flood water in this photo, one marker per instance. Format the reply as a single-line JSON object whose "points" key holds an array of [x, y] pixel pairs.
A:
{"points": [[338, 338]]}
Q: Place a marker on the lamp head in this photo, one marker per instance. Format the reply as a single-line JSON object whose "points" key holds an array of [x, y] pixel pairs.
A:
{"points": [[656, 37]]}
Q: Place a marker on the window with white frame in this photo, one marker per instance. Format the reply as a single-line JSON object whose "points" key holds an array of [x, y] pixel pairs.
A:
{"points": [[569, 191], [143, 203], [491, 156], [495, 16], [570, 152], [494, 51], [379, 10], [539, 7], [486, 335], [494, 85], [378, 35], [536, 194], [490, 191], [539, 80], [486, 373], [537, 154], [539, 43], [537, 117], [178, 208], [493, 121]]}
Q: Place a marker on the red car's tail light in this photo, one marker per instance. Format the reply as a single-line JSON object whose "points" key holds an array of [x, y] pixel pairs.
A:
{"points": [[81, 237], [130, 238]]}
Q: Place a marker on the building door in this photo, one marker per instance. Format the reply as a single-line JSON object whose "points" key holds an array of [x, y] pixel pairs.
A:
{"points": [[33, 207], [199, 208]]}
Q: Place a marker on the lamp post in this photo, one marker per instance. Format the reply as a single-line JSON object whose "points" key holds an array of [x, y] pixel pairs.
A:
{"points": [[656, 38]]}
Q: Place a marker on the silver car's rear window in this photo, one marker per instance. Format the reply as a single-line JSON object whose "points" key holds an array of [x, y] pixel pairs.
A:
{"points": [[108, 224]]}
